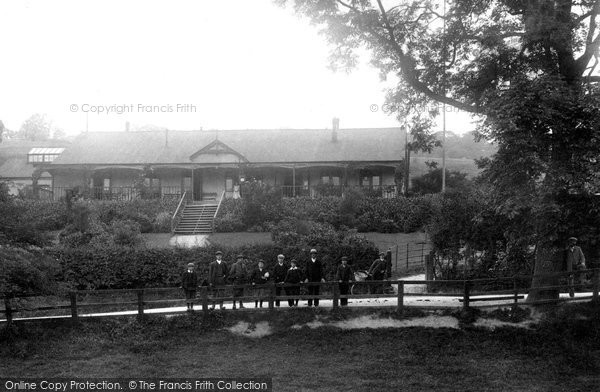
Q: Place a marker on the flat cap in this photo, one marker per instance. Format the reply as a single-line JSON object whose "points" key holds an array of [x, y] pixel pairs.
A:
{"points": [[573, 239], [344, 258], [240, 256], [313, 250], [218, 253], [190, 264]]}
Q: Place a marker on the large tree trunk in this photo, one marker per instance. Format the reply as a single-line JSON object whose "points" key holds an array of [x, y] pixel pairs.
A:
{"points": [[548, 260]]}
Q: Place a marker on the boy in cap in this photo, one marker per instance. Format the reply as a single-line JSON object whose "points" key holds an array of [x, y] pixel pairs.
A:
{"points": [[344, 275], [217, 276], [238, 274], [260, 276], [189, 284], [574, 260], [314, 274], [293, 276]]}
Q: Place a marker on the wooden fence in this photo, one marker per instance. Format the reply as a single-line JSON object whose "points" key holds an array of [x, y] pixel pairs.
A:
{"points": [[330, 291]]}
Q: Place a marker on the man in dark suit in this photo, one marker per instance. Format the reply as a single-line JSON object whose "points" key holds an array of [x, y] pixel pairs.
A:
{"points": [[189, 284], [314, 274], [377, 272], [238, 275], [344, 276], [218, 273], [574, 261], [279, 272]]}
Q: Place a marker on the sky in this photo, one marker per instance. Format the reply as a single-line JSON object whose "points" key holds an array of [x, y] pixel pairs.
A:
{"points": [[178, 64]]}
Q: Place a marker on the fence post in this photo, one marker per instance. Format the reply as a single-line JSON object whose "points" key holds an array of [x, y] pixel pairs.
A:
{"points": [[336, 294], [466, 295], [140, 298], [516, 293], [407, 257], [400, 295], [272, 297], [73, 298], [204, 294], [422, 252], [396, 267], [596, 283], [9, 312]]}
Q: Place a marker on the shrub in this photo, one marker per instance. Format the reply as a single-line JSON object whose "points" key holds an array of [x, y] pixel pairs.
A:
{"points": [[229, 223], [26, 271], [162, 223]]}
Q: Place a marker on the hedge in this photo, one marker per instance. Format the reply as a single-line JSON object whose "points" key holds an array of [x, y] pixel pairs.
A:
{"points": [[126, 267], [355, 211]]}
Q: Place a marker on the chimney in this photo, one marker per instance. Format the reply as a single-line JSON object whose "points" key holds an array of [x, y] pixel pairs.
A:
{"points": [[336, 127], [166, 137], [126, 126]]}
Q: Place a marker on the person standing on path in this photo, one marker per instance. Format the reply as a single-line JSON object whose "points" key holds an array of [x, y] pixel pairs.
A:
{"points": [[238, 275], [189, 284], [293, 276], [279, 273], [344, 275], [377, 272], [314, 274], [574, 260], [260, 277], [218, 272]]}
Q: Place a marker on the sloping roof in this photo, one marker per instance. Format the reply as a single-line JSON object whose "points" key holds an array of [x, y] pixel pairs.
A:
{"points": [[257, 146], [16, 167], [20, 147]]}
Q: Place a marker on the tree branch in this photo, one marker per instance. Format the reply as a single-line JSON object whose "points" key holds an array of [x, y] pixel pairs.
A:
{"points": [[407, 66]]}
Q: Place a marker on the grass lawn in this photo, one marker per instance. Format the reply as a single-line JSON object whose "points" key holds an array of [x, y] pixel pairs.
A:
{"points": [[555, 356]]}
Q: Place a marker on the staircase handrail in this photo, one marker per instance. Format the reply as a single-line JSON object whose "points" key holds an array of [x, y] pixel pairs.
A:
{"points": [[202, 208], [183, 198], [217, 211]]}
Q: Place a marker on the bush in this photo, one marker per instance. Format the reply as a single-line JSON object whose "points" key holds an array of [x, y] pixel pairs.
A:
{"points": [[26, 271]]}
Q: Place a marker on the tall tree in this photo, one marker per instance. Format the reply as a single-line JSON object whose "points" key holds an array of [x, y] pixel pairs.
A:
{"points": [[527, 67], [37, 127]]}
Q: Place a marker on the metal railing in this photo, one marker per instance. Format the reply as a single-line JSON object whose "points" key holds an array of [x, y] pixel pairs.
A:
{"points": [[176, 214], [217, 211], [122, 193], [324, 190]]}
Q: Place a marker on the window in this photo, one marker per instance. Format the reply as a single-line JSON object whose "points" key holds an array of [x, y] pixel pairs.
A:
{"points": [[229, 184], [152, 183], [38, 155], [106, 184], [370, 179], [331, 179]]}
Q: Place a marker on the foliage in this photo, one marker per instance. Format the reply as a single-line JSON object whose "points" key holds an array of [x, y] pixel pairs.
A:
{"points": [[527, 67], [262, 203], [36, 127], [108, 265], [27, 271], [432, 182]]}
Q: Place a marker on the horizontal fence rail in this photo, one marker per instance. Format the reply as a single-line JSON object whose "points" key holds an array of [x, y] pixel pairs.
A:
{"points": [[141, 300]]}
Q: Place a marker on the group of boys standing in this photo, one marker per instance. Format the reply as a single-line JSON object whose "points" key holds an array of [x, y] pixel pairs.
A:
{"points": [[220, 274]]}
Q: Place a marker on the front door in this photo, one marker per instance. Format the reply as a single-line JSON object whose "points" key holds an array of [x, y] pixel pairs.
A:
{"points": [[197, 185]]}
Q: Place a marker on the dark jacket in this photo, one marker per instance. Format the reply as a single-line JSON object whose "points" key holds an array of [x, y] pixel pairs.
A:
{"points": [[189, 280], [574, 259], [345, 274], [238, 273], [293, 276], [279, 272], [258, 276], [218, 274], [314, 271], [377, 270]]}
